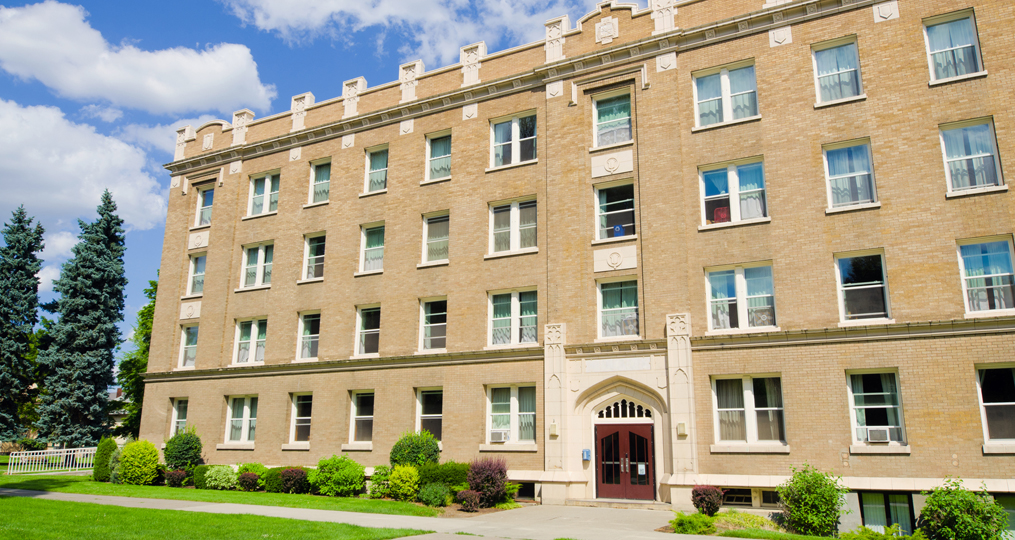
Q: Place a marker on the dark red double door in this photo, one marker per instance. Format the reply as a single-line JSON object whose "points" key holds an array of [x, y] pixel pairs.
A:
{"points": [[624, 468]]}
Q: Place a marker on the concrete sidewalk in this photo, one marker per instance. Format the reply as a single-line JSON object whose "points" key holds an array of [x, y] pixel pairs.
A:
{"points": [[532, 522]]}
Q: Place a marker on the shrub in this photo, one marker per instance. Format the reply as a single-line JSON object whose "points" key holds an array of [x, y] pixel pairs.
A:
{"points": [[403, 484], [220, 477], [294, 480], [199, 474], [338, 476], [379, 482], [176, 478], [956, 513], [707, 499], [247, 481], [891, 533], [449, 473], [272, 480], [469, 500], [183, 450], [415, 449], [812, 501], [732, 519], [487, 477], [459, 487], [139, 463], [114, 466], [255, 468], [434, 495], [160, 475], [100, 470], [29, 444], [692, 524]]}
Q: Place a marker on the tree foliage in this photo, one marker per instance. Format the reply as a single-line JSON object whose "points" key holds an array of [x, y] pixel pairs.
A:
{"points": [[953, 512], [134, 364], [813, 501], [73, 409]]}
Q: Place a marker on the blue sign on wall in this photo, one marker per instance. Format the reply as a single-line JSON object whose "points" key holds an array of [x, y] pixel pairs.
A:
{"points": [[618, 230], [586, 455]]}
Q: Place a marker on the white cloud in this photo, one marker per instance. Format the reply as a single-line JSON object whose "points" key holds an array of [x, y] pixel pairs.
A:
{"points": [[106, 114], [59, 245], [161, 137], [47, 276], [435, 29], [52, 42]]}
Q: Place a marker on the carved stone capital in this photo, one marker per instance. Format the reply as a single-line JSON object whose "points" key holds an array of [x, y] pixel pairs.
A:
{"points": [[555, 334], [470, 57], [555, 29], [678, 324]]}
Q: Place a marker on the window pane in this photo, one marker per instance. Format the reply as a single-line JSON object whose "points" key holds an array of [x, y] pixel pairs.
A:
{"points": [[501, 319], [723, 299], [304, 406], [435, 324], [620, 309], [953, 50], [752, 191], [502, 228], [863, 270], [527, 127], [502, 132], [527, 224], [760, 296], [432, 402], [433, 425], [874, 515], [364, 404], [730, 400], [373, 256], [743, 92], [616, 211], [370, 319], [269, 255], [364, 429], [849, 174], [528, 324], [709, 99], [437, 233], [500, 400], [838, 72], [613, 123]]}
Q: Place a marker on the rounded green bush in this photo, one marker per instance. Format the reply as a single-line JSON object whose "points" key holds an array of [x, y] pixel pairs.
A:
{"points": [[139, 463], [415, 449], [255, 468], [379, 488], [220, 477], [183, 450], [404, 483], [813, 501], [100, 469], [272, 480], [435, 495], [338, 477], [955, 513]]}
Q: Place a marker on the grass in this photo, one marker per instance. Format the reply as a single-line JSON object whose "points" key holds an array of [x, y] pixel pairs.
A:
{"points": [[768, 535], [41, 519], [84, 485]]}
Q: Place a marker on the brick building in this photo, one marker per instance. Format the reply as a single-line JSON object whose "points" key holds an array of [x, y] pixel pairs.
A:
{"points": [[696, 243]]}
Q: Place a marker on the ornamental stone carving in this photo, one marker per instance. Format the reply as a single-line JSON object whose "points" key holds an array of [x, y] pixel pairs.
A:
{"points": [[294, 153], [886, 11], [554, 334], [470, 57], [351, 91], [554, 89], [664, 13], [298, 107], [666, 62], [780, 36], [607, 30], [190, 310], [197, 240], [470, 111], [236, 167], [240, 120], [407, 75], [208, 141], [555, 29], [348, 140], [183, 135], [678, 324], [615, 258], [614, 163], [405, 127]]}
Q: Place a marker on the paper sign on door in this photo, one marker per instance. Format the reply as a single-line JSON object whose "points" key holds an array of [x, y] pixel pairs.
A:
{"points": [[641, 469]]}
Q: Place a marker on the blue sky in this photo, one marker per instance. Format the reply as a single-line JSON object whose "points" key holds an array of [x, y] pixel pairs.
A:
{"points": [[91, 94]]}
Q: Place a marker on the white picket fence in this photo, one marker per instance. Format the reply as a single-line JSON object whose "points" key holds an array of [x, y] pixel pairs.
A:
{"points": [[37, 461]]}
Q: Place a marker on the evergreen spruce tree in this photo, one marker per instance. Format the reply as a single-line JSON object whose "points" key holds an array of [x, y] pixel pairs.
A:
{"points": [[133, 366], [19, 303], [79, 361]]}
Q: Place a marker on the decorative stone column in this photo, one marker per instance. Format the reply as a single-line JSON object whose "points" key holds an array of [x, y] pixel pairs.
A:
{"points": [[351, 90], [682, 434], [407, 75], [555, 479], [298, 109], [240, 120]]}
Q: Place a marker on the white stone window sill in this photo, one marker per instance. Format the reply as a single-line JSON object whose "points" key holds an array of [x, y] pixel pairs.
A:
{"points": [[235, 446], [248, 289], [886, 448], [311, 280], [749, 448], [372, 193], [996, 448], [990, 313], [185, 368], [432, 264], [618, 338], [833, 103], [364, 356], [435, 181], [611, 146], [266, 214], [614, 240], [304, 446], [965, 77], [976, 191], [316, 204], [430, 351], [247, 364], [853, 208], [726, 225], [509, 347], [513, 165], [192, 296], [358, 447], [370, 273], [304, 360], [200, 227], [728, 123], [741, 331], [508, 447], [865, 322], [501, 254]]}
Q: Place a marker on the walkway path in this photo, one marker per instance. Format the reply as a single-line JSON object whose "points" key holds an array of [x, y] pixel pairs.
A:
{"points": [[531, 522]]}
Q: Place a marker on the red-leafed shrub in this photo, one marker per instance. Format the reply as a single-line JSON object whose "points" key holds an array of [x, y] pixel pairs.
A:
{"points": [[175, 478], [248, 481], [487, 477], [707, 499], [295, 481], [469, 500]]}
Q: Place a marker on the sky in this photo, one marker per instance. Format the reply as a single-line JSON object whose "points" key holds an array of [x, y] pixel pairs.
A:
{"points": [[91, 94]]}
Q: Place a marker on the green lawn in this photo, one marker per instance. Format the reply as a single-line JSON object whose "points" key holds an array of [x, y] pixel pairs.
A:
{"points": [[84, 485], [39, 519], [768, 535]]}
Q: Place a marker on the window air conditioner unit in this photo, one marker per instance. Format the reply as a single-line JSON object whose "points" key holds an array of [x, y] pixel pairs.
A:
{"points": [[877, 435], [500, 436]]}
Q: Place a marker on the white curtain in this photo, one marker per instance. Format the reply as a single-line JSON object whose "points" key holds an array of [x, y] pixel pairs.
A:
{"points": [[744, 92], [732, 420], [709, 99], [837, 72], [527, 414], [874, 516], [952, 48], [849, 173], [724, 299], [752, 191]]}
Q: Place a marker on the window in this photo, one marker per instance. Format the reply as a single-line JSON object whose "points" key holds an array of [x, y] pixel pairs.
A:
{"points": [[987, 276], [363, 416], [850, 175], [205, 197], [970, 152], [435, 324], [436, 231], [195, 284], [881, 510], [513, 226], [952, 47], [257, 265], [741, 298], [310, 335], [373, 249], [315, 257], [725, 95], [369, 334], [179, 415], [320, 185], [513, 140], [837, 69], [876, 408], [997, 397], [439, 157], [242, 419], [263, 195], [613, 119], [513, 414], [303, 405], [513, 318], [749, 409], [615, 211], [252, 336], [618, 313], [733, 193], [863, 287], [377, 170], [431, 409], [188, 352]]}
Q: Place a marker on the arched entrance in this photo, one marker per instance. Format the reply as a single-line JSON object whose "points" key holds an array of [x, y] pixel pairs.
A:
{"points": [[625, 450]]}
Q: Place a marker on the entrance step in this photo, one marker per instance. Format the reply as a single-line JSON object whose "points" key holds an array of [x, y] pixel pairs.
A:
{"points": [[625, 504]]}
